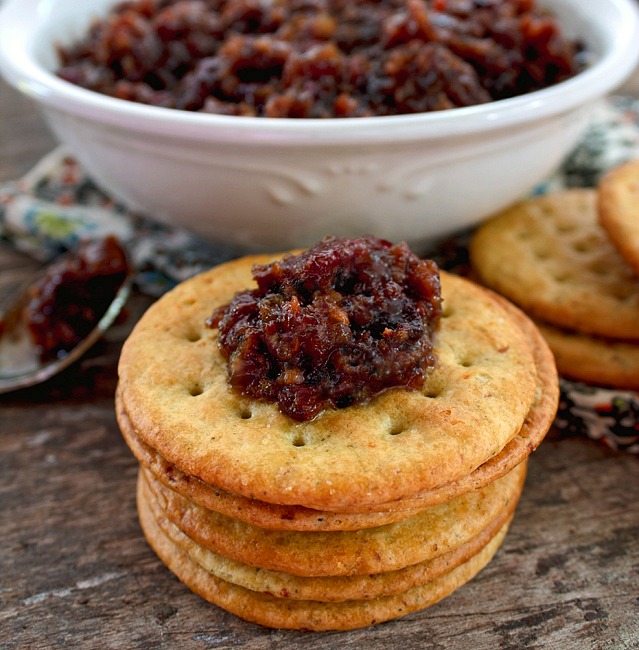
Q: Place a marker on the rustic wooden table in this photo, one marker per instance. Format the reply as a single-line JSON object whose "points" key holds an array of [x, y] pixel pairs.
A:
{"points": [[75, 571]]}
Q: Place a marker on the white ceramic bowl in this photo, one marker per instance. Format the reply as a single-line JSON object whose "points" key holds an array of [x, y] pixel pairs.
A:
{"points": [[278, 183]]}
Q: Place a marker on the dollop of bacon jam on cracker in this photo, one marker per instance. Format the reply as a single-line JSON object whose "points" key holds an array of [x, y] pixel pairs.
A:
{"points": [[332, 326]]}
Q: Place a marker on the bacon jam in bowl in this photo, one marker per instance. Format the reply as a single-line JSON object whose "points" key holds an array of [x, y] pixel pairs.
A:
{"points": [[300, 59], [210, 115]]}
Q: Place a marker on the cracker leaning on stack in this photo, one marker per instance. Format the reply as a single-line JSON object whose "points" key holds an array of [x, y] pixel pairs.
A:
{"points": [[359, 515], [571, 261]]}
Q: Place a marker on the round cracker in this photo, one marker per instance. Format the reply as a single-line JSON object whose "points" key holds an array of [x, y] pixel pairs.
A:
{"points": [[324, 589], [618, 209], [282, 517], [429, 534], [602, 362], [174, 389], [551, 257], [284, 613]]}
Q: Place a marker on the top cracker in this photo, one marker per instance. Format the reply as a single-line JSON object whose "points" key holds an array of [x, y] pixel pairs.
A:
{"points": [[404, 441]]}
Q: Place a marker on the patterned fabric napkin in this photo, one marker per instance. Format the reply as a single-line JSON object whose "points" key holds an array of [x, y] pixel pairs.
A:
{"points": [[56, 205]]}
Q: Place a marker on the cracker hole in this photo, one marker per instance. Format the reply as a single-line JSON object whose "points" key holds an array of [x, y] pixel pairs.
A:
{"points": [[433, 392], [561, 277], [565, 228], [541, 254], [193, 336], [298, 440], [245, 413], [623, 293], [585, 245], [545, 210], [396, 428], [600, 268], [195, 390]]}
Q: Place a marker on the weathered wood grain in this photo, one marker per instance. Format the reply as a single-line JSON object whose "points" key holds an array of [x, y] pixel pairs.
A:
{"points": [[75, 571]]}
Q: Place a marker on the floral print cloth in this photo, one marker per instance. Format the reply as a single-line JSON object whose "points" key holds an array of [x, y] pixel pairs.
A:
{"points": [[56, 205]]}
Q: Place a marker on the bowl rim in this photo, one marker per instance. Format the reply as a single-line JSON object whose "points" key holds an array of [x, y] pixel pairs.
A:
{"points": [[21, 20]]}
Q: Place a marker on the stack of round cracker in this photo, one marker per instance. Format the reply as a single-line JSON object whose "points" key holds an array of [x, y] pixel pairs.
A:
{"points": [[571, 261], [358, 516]]}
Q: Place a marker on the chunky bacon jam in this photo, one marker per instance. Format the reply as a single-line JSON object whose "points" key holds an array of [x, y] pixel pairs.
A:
{"points": [[320, 58], [70, 299], [332, 326]]}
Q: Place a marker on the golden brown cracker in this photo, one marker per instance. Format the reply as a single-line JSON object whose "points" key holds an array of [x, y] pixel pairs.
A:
{"points": [[593, 360], [618, 210], [550, 256], [174, 389]]}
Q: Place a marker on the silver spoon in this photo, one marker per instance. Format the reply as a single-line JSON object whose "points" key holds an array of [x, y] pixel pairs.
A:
{"points": [[21, 364]]}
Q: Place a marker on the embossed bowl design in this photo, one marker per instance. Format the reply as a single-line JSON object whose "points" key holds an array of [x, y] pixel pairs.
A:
{"points": [[277, 183]]}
